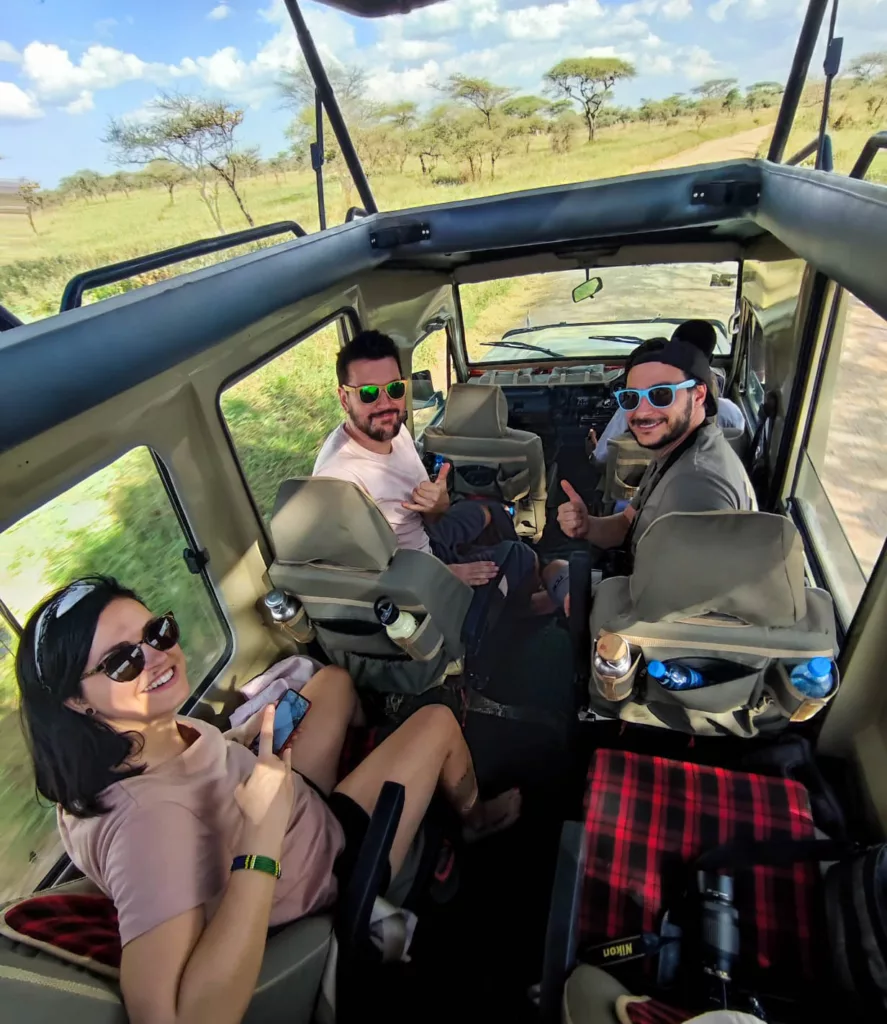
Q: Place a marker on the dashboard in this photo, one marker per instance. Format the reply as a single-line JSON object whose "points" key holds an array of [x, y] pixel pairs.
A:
{"points": [[561, 405]]}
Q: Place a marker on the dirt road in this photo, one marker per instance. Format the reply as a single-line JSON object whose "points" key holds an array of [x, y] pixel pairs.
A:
{"points": [[743, 144]]}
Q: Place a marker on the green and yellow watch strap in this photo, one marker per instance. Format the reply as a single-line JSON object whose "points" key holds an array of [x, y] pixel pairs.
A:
{"points": [[256, 862]]}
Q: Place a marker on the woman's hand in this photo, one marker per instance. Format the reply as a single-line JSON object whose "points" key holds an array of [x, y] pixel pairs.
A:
{"points": [[266, 798]]}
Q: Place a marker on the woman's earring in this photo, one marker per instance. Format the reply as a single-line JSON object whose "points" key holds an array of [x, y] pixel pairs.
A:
{"points": [[90, 712]]}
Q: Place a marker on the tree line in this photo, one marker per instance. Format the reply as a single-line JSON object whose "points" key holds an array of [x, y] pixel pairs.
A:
{"points": [[192, 141]]}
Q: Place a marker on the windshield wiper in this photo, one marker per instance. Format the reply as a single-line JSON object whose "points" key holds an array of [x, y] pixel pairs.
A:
{"points": [[523, 346], [621, 338]]}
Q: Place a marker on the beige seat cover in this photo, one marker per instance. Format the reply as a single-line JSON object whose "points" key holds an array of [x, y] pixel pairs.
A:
{"points": [[475, 431], [335, 551]]}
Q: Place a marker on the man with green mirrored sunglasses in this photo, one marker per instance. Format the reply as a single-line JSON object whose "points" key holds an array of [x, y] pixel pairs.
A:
{"points": [[373, 449]]}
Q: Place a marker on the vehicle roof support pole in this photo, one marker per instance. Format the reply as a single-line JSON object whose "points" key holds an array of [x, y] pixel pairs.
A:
{"points": [[317, 159], [791, 98], [831, 67], [327, 96]]}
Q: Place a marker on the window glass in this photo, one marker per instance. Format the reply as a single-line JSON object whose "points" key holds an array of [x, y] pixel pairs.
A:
{"points": [[280, 414], [430, 387], [567, 316], [848, 446], [756, 368], [119, 522]]}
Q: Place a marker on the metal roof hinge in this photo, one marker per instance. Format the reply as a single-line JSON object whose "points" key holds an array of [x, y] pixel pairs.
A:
{"points": [[196, 561], [725, 193], [401, 234]]}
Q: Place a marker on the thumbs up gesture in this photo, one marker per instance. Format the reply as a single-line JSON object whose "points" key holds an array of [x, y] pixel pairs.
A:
{"points": [[572, 516], [431, 498]]}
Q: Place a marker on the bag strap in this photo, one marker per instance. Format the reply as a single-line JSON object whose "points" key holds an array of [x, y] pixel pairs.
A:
{"points": [[642, 494], [750, 853]]}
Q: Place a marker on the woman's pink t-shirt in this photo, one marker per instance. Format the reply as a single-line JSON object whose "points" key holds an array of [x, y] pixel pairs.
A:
{"points": [[167, 842]]}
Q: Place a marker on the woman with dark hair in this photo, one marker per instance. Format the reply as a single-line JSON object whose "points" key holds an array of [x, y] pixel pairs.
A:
{"points": [[200, 843]]}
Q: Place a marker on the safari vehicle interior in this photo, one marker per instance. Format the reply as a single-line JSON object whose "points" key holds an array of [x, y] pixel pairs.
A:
{"points": [[786, 263]]}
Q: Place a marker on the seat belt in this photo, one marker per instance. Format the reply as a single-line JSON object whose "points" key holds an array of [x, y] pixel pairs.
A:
{"points": [[645, 489]]}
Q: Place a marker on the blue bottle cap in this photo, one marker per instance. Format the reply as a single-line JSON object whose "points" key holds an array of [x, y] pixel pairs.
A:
{"points": [[819, 668], [657, 670]]}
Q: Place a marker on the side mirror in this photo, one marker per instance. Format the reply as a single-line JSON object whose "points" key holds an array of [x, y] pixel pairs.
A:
{"points": [[424, 394], [588, 289], [722, 280]]}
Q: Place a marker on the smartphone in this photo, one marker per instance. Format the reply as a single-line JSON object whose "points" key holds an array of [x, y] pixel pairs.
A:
{"points": [[288, 716]]}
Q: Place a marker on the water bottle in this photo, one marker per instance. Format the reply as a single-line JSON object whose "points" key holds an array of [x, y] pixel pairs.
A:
{"points": [[814, 678], [675, 676], [612, 658], [611, 667], [398, 625], [282, 607], [438, 462]]}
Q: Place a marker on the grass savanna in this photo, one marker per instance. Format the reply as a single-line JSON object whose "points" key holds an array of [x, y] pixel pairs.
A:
{"points": [[184, 174]]}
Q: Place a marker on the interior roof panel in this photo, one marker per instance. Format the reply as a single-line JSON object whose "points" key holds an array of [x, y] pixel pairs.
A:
{"points": [[56, 368], [378, 8]]}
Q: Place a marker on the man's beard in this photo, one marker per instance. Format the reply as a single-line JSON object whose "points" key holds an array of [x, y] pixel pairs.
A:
{"points": [[377, 431], [677, 431]]}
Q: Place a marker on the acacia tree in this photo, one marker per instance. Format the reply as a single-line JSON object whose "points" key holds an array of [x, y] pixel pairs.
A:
{"points": [[196, 134], [167, 174], [480, 93], [762, 94], [867, 67], [588, 81], [29, 193], [715, 88]]}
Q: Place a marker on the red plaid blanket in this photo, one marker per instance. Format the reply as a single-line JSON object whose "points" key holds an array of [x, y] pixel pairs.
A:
{"points": [[648, 819], [77, 927]]}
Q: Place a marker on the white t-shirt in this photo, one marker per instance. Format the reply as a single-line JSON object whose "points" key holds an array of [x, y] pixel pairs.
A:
{"points": [[387, 479]]}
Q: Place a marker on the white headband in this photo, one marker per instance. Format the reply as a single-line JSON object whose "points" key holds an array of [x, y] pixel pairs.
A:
{"points": [[62, 603]]}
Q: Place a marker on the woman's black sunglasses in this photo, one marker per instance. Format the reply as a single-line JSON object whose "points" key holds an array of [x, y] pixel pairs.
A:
{"points": [[125, 662]]}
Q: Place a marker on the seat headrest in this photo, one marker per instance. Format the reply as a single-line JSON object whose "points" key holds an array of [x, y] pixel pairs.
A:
{"points": [[746, 564], [476, 410], [320, 519]]}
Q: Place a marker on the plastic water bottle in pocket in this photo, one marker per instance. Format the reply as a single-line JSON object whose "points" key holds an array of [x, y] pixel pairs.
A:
{"points": [[675, 676], [814, 678]]}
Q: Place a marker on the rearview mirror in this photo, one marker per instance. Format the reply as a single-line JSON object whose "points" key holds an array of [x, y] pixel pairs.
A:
{"points": [[588, 289]]}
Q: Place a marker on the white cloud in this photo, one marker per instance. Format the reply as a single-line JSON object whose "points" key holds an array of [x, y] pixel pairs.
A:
{"points": [[220, 12], [718, 11], [16, 104], [697, 63], [416, 49], [416, 84], [448, 18], [83, 103], [8, 53], [550, 21], [660, 64], [104, 27], [55, 77], [676, 10]]}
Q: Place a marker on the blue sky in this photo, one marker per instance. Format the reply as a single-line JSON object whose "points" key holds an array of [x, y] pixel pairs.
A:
{"points": [[66, 67]]}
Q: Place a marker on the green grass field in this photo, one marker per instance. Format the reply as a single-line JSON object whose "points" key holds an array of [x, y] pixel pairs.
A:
{"points": [[77, 235], [119, 521]]}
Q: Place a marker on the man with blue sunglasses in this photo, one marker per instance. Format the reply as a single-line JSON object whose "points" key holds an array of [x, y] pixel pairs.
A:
{"points": [[670, 408]]}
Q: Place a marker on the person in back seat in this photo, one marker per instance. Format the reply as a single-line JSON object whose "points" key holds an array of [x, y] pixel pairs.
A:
{"points": [[374, 450], [702, 334], [200, 843], [669, 404]]}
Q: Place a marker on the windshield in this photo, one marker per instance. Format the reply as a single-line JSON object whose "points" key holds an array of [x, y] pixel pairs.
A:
{"points": [[601, 314]]}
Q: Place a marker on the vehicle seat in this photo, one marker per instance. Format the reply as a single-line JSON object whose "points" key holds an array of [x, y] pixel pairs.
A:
{"points": [[336, 552], [726, 593], [627, 462], [38, 986], [475, 432]]}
